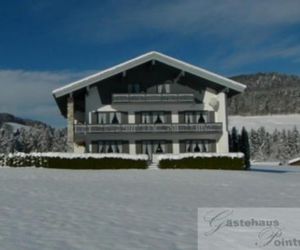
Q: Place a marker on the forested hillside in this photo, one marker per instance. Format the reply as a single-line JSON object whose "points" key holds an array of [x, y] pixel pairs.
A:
{"points": [[266, 93], [23, 135]]}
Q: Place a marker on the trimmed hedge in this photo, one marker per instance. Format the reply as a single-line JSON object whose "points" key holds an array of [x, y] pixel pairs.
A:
{"points": [[223, 162], [90, 163], [32, 160]]}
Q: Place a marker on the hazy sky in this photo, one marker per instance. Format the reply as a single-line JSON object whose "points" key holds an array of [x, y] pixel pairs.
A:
{"points": [[45, 44]]}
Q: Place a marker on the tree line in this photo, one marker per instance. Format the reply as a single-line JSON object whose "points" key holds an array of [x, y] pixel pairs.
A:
{"points": [[278, 145], [32, 139]]}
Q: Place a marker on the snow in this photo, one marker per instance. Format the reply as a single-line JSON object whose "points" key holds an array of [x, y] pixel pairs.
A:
{"points": [[200, 155], [82, 156], [266, 163], [270, 122], [17, 126], [127, 209], [294, 160]]}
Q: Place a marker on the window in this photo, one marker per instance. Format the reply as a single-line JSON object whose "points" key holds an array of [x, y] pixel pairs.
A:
{"points": [[196, 146], [188, 117], [109, 147], [201, 117], [153, 147], [153, 117], [158, 117], [163, 88], [146, 117], [109, 117], [134, 88], [102, 118], [167, 88], [195, 116]]}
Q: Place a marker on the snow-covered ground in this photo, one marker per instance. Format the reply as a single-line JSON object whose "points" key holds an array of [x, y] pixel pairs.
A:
{"points": [[270, 122], [128, 209]]}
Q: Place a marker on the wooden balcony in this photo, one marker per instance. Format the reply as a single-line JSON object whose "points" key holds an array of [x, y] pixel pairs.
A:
{"points": [[149, 128], [146, 98]]}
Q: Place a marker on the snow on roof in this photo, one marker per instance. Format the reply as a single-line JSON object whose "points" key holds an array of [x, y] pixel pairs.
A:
{"points": [[186, 67], [294, 161]]}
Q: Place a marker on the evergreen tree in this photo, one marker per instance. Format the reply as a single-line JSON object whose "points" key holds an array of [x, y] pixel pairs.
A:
{"points": [[245, 146], [234, 140]]}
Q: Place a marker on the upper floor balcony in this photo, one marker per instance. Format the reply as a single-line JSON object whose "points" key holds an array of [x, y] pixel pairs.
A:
{"points": [[142, 98], [150, 128]]}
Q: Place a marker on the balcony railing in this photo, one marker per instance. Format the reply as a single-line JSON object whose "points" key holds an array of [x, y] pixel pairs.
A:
{"points": [[133, 98], [150, 128]]}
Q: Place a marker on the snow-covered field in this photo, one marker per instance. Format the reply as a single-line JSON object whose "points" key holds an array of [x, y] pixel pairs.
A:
{"points": [[270, 122], [128, 209]]}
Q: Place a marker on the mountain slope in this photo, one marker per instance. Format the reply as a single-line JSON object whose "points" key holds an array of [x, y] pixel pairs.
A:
{"points": [[267, 93], [9, 118], [24, 135]]}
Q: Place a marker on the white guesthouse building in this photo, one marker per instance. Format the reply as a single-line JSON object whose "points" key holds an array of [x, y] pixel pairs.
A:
{"points": [[152, 104]]}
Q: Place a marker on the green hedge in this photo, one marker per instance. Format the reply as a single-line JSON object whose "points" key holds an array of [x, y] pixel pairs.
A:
{"points": [[28, 160], [226, 163], [90, 163]]}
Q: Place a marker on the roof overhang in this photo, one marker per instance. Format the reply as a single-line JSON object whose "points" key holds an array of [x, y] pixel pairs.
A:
{"points": [[228, 84]]}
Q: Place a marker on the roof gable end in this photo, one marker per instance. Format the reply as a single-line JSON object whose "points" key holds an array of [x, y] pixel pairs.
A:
{"points": [[153, 55]]}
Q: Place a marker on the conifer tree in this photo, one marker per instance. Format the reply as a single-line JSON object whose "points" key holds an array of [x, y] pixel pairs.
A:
{"points": [[234, 140], [244, 146]]}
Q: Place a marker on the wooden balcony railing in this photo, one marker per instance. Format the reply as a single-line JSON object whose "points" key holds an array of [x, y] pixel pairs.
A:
{"points": [[150, 128], [141, 98]]}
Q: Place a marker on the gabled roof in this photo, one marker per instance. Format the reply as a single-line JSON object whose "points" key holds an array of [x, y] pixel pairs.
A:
{"points": [[156, 56]]}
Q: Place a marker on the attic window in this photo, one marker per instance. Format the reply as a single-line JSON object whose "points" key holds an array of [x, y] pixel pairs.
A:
{"points": [[163, 88], [134, 88]]}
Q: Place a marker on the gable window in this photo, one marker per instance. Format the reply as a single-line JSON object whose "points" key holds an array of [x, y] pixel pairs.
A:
{"points": [[134, 88], [163, 88]]}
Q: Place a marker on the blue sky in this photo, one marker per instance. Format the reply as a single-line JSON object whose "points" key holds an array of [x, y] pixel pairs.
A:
{"points": [[45, 44]]}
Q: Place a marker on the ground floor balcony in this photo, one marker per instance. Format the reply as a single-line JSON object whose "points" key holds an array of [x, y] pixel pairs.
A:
{"points": [[149, 128]]}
